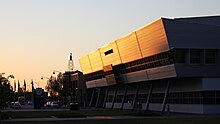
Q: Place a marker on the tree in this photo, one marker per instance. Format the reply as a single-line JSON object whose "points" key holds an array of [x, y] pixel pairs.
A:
{"points": [[6, 90], [54, 85]]}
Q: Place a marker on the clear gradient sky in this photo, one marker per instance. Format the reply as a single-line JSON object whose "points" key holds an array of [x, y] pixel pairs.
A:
{"points": [[36, 36]]}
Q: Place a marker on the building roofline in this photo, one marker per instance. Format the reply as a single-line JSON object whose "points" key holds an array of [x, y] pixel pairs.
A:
{"points": [[125, 35], [200, 16]]}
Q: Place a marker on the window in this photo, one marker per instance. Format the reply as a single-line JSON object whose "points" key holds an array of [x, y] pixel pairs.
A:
{"points": [[179, 56], [210, 56], [109, 52], [195, 56]]}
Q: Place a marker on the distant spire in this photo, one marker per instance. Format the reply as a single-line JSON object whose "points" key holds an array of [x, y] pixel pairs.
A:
{"points": [[32, 84], [24, 86], [18, 86], [14, 85]]}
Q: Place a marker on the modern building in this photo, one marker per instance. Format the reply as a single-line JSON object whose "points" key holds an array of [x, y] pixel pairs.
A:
{"points": [[168, 65], [74, 88]]}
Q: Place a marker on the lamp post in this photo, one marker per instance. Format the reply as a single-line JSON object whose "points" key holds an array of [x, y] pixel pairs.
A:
{"points": [[42, 77], [54, 72]]}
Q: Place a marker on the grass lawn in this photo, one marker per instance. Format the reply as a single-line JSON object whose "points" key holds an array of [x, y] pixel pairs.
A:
{"points": [[205, 120], [84, 113], [79, 113]]}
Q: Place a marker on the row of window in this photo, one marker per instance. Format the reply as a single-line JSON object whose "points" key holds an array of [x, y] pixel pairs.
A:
{"points": [[157, 60], [194, 56], [198, 97], [154, 64], [150, 59]]}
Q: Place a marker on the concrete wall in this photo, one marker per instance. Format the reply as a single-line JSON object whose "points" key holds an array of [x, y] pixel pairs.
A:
{"points": [[211, 83]]}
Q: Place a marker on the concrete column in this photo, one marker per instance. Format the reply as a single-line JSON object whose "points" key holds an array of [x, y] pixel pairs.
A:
{"points": [[114, 97], [124, 98], [92, 97], [106, 96], [135, 96], [98, 97], [165, 97], [148, 97]]}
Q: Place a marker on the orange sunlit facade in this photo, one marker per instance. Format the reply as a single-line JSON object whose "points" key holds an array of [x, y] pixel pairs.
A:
{"points": [[173, 62]]}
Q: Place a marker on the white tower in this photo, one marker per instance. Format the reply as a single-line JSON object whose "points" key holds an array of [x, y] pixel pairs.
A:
{"points": [[70, 66]]}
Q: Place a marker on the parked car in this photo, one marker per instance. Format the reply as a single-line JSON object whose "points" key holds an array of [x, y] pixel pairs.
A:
{"points": [[30, 103], [47, 104], [16, 105], [74, 106], [55, 105], [11, 104]]}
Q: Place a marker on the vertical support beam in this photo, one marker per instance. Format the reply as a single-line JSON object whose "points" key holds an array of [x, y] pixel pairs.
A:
{"points": [[114, 97], [135, 96], [92, 97], [124, 97], [148, 97], [165, 97], [98, 97], [106, 96]]}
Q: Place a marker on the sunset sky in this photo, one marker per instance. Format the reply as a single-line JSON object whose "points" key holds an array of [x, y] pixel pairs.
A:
{"points": [[36, 36]]}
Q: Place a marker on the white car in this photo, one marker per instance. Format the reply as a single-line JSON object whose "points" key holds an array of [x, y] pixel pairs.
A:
{"points": [[11, 104], [16, 105], [55, 105], [30, 103], [47, 104]]}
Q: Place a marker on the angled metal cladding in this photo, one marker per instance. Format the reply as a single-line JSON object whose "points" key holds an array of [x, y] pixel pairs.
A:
{"points": [[146, 41], [183, 33], [113, 58], [96, 60], [129, 49], [194, 33], [152, 38], [208, 20], [85, 64]]}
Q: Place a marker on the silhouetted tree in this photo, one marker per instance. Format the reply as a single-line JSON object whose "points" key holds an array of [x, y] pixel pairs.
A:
{"points": [[54, 85], [6, 91]]}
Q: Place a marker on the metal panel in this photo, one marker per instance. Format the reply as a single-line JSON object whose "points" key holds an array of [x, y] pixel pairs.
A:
{"points": [[96, 83], [110, 79], [90, 84], [128, 48], [162, 72], [209, 20], [150, 74], [191, 35], [135, 76], [152, 39], [85, 64], [96, 61], [112, 58], [101, 82]]}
